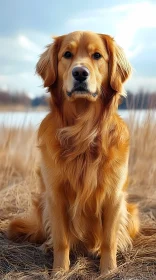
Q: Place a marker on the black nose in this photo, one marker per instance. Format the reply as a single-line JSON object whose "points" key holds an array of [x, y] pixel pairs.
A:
{"points": [[80, 73]]}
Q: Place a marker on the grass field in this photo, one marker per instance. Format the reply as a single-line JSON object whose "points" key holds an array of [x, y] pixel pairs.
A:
{"points": [[18, 160]]}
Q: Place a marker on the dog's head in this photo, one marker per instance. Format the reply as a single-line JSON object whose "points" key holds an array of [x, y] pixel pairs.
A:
{"points": [[84, 65]]}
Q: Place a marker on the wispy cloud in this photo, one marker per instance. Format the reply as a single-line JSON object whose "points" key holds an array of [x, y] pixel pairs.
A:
{"points": [[18, 56], [27, 44], [18, 48], [121, 21], [146, 82], [22, 81]]}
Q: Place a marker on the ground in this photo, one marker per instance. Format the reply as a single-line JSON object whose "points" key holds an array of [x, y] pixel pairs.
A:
{"points": [[18, 160]]}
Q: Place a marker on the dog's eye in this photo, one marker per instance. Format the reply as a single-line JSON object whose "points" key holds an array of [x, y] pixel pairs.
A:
{"points": [[96, 55], [67, 54]]}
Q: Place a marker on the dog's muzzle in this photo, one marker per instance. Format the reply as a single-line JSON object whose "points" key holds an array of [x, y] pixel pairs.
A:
{"points": [[80, 75]]}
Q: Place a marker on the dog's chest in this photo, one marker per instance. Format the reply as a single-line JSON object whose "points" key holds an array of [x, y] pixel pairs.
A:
{"points": [[82, 170]]}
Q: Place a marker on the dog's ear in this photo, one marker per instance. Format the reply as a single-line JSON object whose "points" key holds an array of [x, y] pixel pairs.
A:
{"points": [[47, 64], [119, 67]]}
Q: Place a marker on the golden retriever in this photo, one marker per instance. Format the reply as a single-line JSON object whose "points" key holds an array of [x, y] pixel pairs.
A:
{"points": [[84, 147]]}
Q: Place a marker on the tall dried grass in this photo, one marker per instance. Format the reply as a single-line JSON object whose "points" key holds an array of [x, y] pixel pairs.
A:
{"points": [[18, 160]]}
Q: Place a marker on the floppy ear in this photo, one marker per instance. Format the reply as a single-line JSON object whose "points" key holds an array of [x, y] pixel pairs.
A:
{"points": [[47, 64], [119, 67]]}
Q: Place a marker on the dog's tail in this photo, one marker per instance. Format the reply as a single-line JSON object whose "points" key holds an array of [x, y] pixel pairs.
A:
{"points": [[133, 224], [29, 228]]}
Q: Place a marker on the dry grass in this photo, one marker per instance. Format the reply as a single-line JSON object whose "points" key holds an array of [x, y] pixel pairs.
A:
{"points": [[18, 156]]}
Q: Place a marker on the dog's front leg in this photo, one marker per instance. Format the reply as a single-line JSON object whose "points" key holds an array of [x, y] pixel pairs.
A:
{"points": [[111, 218], [114, 218], [59, 228]]}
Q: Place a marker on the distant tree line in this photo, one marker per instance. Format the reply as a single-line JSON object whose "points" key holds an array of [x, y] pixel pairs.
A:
{"points": [[14, 98], [21, 98], [140, 100]]}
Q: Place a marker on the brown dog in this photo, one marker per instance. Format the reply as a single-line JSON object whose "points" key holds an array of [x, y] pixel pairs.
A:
{"points": [[84, 146]]}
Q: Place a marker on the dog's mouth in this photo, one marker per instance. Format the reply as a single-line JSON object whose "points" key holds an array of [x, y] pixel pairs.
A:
{"points": [[81, 90]]}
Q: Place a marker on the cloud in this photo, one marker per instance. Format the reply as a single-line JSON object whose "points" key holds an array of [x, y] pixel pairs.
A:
{"points": [[147, 83], [121, 21], [27, 44], [12, 50], [18, 56], [25, 81]]}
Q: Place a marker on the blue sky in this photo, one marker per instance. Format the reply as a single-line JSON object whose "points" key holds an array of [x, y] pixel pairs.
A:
{"points": [[26, 26]]}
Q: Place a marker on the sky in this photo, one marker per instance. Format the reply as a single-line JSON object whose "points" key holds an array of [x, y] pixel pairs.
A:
{"points": [[27, 26]]}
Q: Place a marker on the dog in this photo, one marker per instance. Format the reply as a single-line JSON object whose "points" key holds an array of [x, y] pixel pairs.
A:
{"points": [[84, 146]]}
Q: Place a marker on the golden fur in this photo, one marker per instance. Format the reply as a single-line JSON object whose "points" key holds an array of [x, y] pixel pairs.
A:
{"points": [[84, 147]]}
